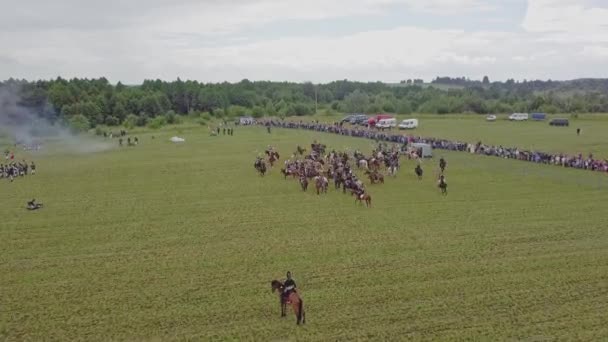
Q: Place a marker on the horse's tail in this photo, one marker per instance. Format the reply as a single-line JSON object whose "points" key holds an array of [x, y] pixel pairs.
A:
{"points": [[300, 311]]}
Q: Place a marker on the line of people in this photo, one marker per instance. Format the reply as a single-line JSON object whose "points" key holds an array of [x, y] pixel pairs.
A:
{"points": [[573, 161], [13, 170]]}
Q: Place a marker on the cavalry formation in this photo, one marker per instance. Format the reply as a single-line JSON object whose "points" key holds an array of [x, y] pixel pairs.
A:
{"points": [[320, 167]]}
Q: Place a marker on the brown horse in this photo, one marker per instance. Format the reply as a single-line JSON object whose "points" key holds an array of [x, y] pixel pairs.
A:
{"points": [[294, 299], [375, 177], [272, 159], [363, 197], [288, 172], [321, 184]]}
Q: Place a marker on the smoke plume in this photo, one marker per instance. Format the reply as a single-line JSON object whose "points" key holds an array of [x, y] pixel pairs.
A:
{"points": [[26, 126]]}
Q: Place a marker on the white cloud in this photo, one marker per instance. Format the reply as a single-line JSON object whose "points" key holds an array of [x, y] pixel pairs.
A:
{"points": [[215, 41]]}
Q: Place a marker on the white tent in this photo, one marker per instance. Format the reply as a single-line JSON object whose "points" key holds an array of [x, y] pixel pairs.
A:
{"points": [[177, 139], [427, 150]]}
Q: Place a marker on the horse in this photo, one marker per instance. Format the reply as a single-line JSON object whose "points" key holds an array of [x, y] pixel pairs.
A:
{"points": [[288, 172], [272, 157], [442, 164], [418, 171], [294, 299], [363, 197], [375, 177], [304, 183], [393, 168], [321, 184], [443, 186], [260, 166], [362, 164]]}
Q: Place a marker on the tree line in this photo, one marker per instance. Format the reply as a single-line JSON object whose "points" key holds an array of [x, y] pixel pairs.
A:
{"points": [[87, 103]]}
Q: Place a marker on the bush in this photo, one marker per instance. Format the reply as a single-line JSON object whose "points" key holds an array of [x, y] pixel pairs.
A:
{"points": [[79, 123], [142, 120], [98, 131], [205, 116], [257, 112], [170, 116], [301, 109], [157, 122], [202, 122], [130, 121], [112, 121]]}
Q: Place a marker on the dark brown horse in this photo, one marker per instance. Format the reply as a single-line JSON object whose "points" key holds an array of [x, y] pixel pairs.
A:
{"points": [[375, 177], [273, 157], [304, 183], [294, 299], [260, 166]]}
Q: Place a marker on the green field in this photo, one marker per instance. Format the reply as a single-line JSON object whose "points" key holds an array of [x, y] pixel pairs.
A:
{"points": [[179, 242]]}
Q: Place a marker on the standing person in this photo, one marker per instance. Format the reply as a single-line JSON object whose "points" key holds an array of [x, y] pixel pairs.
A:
{"points": [[33, 168], [578, 131]]}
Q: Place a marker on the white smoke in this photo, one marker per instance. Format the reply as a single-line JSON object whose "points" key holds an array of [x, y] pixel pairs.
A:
{"points": [[25, 126]]}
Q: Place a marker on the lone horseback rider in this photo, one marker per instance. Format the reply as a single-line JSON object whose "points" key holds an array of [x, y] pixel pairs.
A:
{"points": [[443, 185], [288, 287], [442, 164]]}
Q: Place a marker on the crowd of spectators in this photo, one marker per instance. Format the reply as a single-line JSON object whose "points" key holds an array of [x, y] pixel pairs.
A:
{"points": [[573, 161]]}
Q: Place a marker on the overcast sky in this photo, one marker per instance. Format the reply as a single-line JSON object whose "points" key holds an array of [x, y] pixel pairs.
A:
{"points": [[312, 40]]}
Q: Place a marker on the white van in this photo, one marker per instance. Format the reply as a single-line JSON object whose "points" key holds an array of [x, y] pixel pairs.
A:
{"points": [[518, 117], [408, 124], [387, 123]]}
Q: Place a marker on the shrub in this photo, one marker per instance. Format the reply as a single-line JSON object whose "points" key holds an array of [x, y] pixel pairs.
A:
{"points": [[157, 122], [130, 121], [142, 120], [112, 121], [79, 123]]}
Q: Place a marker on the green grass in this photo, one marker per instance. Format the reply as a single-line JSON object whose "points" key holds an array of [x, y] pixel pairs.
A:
{"points": [[180, 241]]}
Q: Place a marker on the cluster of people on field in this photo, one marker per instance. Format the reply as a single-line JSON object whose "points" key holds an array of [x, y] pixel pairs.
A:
{"points": [[13, 169], [321, 168], [573, 161]]}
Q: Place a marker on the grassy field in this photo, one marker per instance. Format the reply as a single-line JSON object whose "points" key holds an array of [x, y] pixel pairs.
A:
{"points": [[179, 242]]}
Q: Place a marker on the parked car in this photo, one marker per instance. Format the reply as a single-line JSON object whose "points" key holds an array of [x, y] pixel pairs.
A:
{"points": [[559, 122], [518, 117], [347, 118], [358, 119], [539, 116], [374, 120], [491, 118], [387, 123], [408, 124]]}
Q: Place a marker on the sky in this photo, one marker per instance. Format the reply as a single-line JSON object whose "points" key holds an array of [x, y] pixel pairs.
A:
{"points": [[312, 40]]}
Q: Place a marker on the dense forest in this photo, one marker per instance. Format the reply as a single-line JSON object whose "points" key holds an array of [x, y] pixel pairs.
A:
{"points": [[86, 103]]}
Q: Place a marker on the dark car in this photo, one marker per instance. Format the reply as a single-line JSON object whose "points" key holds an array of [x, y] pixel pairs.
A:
{"points": [[348, 118], [357, 120], [559, 122]]}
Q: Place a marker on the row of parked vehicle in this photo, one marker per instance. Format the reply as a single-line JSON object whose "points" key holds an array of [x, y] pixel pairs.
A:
{"points": [[380, 121], [535, 116]]}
